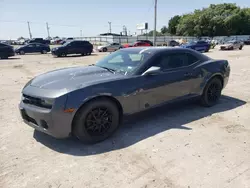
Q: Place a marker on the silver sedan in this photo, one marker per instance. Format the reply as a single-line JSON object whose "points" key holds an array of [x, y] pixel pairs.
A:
{"points": [[111, 47]]}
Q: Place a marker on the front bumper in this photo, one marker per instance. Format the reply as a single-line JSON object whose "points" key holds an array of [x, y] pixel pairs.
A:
{"points": [[54, 122]]}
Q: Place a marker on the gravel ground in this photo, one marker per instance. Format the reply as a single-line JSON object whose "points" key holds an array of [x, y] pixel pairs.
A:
{"points": [[182, 146]]}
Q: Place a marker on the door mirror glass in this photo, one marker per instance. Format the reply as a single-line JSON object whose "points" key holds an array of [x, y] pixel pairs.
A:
{"points": [[152, 71]]}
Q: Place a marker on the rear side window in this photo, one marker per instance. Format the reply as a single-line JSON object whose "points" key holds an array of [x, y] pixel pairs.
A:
{"points": [[176, 60], [191, 59]]}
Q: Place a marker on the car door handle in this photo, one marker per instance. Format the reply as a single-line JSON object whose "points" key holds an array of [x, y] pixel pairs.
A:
{"points": [[188, 74]]}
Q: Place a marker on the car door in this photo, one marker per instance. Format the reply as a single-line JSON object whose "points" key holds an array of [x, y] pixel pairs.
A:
{"points": [[38, 48], [72, 48], [174, 82], [29, 48]]}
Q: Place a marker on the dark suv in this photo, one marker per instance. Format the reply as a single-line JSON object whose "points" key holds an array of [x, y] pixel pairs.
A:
{"points": [[73, 47], [39, 40], [6, 51]]}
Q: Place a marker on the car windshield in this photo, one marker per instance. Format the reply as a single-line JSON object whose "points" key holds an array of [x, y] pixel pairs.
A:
{"points": [[66, 43], [231, 41], [123, 61]]}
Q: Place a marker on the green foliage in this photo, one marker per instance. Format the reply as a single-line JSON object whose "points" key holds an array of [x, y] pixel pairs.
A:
{"points": [[151, 33], [164, 30], [217, 20]]}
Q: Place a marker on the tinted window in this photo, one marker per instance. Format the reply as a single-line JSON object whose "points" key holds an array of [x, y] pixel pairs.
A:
{"points": [[31, 45], [191, 59], [173, 61], [38, 45]]}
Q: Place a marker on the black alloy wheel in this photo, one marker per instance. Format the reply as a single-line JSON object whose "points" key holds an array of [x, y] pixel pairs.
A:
{"points": [[212, 93], [98, 121]]}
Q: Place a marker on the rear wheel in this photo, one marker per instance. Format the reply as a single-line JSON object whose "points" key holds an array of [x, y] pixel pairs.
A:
{"points": [[104, 49], [211, 93], [240, 48], [96, 121], [22, 52], [44, 52]]}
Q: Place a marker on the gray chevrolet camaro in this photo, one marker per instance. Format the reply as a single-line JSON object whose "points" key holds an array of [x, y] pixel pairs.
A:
{"points": [[90, 101]]}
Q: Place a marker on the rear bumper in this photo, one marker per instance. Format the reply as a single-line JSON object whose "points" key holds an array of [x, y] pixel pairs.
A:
{"points": [[56, 124]]}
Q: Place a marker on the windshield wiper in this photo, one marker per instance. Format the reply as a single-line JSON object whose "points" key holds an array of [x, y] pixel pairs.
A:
{"points": [[109, 69]]}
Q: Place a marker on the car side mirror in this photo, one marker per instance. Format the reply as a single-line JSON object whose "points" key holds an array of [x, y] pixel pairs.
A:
{"points": [[152, 71]]}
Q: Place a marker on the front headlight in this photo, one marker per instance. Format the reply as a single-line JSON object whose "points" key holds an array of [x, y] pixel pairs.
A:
{"points": [[48, 103]]}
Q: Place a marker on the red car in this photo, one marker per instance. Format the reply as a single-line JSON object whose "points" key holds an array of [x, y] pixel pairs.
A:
{"points": [[136, 44]]}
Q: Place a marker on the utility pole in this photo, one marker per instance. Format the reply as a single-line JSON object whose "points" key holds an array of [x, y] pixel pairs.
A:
{"points": [[47, 26], [81, 33], [29, 30], [109, 27], [155, 19]]}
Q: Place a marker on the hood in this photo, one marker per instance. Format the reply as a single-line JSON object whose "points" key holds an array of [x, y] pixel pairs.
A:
{"points": [[73, 78]]}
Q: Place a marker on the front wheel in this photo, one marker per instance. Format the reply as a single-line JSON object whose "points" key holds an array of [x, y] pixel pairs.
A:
{"points": [[211, 93], [96, 121], [240, 48]]}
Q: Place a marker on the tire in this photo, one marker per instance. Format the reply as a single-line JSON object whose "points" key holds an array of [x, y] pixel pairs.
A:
{"points": [[44, 52], [4, 57], [212, 92], [83, 54], [21, 52], [104, 49], [83, 127], [240, 48]]}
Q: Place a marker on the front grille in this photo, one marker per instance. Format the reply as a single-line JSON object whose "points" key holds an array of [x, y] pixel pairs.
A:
{"points": [[34, 101]]}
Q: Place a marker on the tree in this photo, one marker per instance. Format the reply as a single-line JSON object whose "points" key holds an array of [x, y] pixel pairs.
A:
{"points": [[164, 30], [215, 20], [172, 24]]}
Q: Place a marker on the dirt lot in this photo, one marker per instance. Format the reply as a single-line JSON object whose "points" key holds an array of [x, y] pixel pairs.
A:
{"points": [[187, 146]]}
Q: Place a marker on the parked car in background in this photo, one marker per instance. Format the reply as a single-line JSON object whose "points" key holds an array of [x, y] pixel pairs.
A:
{"points": [[73, 47], [110, 47], [67, 40], [90, 101], [201, 46], [136, 44], [232, 45], [39, 40], [247, 42], [146, 41], [173, 43], [6, 51], [33, 48]]}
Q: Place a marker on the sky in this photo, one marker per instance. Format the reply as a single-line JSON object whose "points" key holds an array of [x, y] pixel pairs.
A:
{"points": [[66, 18]]}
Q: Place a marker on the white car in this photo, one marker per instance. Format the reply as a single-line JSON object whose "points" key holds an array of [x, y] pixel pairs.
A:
{"points": [[110, 47]]}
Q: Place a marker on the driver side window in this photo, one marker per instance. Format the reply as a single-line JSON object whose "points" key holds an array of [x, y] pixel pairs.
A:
{"points": [[172, 61]]}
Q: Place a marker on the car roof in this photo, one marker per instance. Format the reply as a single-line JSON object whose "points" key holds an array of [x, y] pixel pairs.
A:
{"points": [[153, 49], [36, 43]]}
